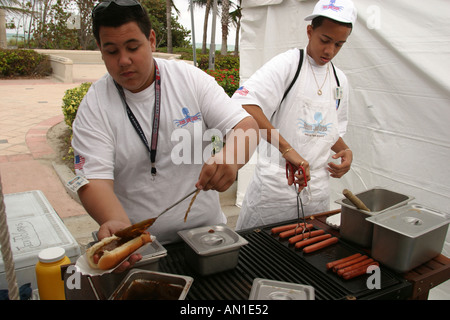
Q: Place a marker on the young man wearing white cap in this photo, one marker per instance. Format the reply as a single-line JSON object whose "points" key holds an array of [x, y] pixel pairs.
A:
{"points": [[309, 121]]}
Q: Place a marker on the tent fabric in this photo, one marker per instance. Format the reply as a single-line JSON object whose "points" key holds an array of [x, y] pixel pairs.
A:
{"points": [[396, 61]]}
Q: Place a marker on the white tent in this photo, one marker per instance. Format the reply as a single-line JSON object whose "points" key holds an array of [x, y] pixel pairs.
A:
{"points": [[397, 62]]}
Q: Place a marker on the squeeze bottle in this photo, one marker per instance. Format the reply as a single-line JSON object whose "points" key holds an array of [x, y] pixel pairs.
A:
{"points": [[48, 273]]}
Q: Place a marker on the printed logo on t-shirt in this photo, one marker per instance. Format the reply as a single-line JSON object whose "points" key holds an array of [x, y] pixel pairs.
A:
{"points": [[315, 129], [187, 118], [79, 162], [242, 91]]}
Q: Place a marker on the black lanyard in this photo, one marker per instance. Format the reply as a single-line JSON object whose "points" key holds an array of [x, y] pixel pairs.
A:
{"points": [[156, 115]]}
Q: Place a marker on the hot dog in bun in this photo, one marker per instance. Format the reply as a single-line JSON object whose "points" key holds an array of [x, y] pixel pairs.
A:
{"points": [[109, 252]]}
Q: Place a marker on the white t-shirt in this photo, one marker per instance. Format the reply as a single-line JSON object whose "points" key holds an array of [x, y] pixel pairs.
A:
{"points": [[266, 87], [106, 145]]}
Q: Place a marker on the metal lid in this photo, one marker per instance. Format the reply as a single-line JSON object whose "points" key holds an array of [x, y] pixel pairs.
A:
{"points": [[264, 289], [211, 240], [412, 220]]}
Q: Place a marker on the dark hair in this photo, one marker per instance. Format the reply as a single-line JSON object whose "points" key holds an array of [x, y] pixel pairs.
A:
{"points": [[115, 15], [317, 22]]}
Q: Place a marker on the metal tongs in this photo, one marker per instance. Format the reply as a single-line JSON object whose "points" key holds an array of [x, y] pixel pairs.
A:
{"points": [[138, 228], [290, 169]]}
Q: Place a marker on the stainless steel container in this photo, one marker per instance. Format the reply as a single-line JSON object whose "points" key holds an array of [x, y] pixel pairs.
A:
{"points": [[263, 289], [151, 285], [354, 226], [212, 249], [408, 236]]}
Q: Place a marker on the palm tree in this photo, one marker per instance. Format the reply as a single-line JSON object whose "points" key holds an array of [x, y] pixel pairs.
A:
{"points": [[6, 6], [169, 4], [225, 21], [236, 16], [207, 5]]}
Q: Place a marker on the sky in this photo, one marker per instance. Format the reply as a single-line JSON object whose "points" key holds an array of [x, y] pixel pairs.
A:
{"points": [[199, 16]]}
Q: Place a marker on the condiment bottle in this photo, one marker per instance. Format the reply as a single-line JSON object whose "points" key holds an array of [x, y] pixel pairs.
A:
{"points": [[48, 273]]}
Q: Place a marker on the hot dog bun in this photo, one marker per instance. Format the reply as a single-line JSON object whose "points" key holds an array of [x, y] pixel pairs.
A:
{"points": [[111, 258]]}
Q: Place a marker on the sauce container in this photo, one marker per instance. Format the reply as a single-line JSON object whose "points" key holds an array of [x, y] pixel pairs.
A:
{"points": [[152, 285]]}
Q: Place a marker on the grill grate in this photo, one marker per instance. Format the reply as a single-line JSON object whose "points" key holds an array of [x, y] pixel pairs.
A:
{"points": [[268, 258], [278, 264]]}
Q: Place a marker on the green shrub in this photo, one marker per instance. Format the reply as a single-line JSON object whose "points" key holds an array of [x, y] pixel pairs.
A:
{"points": [[227, 62], [26, 63], [71, 101], [220, 62], [227, 79]]}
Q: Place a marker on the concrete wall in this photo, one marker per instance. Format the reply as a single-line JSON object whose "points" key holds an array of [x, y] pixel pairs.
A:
{"points": [[77, 56], [62, 61], [62, 68]]}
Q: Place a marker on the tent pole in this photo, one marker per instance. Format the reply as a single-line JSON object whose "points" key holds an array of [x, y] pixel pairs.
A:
{"points": [[212, 48], [194, 49]]}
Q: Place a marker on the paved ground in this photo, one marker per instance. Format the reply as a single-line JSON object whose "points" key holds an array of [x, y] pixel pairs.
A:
{"points": [[29, 110]]}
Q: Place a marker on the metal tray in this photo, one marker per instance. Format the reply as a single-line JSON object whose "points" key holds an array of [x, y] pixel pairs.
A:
{"points": [[150, 285], [151, 254], [265, 289]]}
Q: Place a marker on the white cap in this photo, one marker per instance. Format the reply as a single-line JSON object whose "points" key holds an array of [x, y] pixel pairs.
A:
{"points": [[339, 10], [51, 254]]}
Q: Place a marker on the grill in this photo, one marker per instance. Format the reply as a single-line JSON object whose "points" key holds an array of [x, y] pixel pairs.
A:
{"points": [[265, 256]]}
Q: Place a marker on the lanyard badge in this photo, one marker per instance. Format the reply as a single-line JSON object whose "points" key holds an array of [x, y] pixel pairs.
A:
{"points": [[156, 117], [338, 93]]}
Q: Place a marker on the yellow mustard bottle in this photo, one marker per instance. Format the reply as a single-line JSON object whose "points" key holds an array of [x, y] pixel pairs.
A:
{"points": [[48, 273]]}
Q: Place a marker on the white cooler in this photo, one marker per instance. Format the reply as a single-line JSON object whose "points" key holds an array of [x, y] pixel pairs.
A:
{"points": [[33, 225]]}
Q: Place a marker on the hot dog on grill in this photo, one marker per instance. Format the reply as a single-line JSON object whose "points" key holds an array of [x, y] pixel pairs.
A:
{"points": [[292, 232], [336, 262], [307, 234], [359, 271], [109, 252], [349, 263], [354, 266], [287, 227], [320, 245], [307, 242], [351, 266]]}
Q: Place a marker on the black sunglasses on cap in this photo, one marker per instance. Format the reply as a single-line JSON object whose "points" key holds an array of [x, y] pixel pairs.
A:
{"points": [[122, 3]]}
